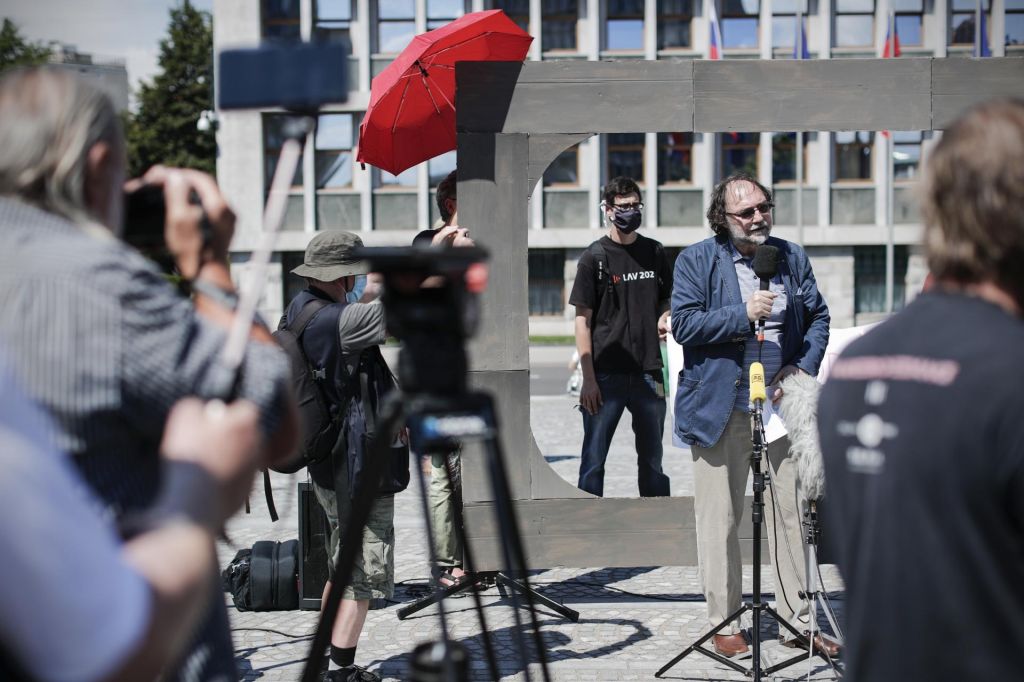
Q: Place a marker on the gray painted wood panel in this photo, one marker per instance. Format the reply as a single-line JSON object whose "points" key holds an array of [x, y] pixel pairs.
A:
{"points": [[808, 95], [576, 97], [599, 532], [557, 102], [959, 83], [493, 195]]}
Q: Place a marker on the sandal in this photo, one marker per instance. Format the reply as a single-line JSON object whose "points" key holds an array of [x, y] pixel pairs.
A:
{"points": [[443, 576]]}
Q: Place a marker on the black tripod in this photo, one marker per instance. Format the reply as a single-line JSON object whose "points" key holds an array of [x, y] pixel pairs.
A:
{"points": [[756, 606], [813, 593], [474, 579], [433, 323]]}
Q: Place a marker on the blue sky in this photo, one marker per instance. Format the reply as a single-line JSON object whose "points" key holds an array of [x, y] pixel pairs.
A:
{"points": [[129, 30]]}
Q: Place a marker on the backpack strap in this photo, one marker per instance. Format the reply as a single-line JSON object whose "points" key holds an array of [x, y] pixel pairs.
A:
{"points": [[604, 278], [297, 327]]}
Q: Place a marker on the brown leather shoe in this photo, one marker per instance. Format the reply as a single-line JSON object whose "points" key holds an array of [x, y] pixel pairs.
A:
{"points": [[821, 645], [730, 645]]}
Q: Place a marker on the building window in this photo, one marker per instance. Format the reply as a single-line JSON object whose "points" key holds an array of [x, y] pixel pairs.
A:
{"points": [[332, 20], [739, 153], [396, 24], [675, 158], [291, 285], [626, 156], [280, 21], [784, 23], [441, 12], [869, 278], [546, 281], [565, 169], [624, 25], [854, 23], [853, 154], [558, 25], [439, 167], [333, 144], [961, 21], [1014, 22], [784, 157], [273, 140], [517, 10], [740, 22], [674, 21], [909, 20], [906, 153]]}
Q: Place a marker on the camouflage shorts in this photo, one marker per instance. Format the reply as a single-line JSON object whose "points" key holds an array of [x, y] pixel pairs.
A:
{"points": [[373, 576]]}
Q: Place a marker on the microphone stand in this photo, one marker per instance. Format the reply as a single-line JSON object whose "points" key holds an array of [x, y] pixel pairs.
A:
{"points": [[756, 606], [812, 594]]}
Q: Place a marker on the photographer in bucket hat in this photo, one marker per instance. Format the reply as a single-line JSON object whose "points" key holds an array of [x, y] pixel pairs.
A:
{"points": [[338, 336]]}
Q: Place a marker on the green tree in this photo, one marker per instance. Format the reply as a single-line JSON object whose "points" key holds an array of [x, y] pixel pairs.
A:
{"points": [[16, 51], [164, 128]]}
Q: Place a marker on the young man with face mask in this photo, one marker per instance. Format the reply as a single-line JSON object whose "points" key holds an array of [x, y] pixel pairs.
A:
{"points": [[621, 293]]}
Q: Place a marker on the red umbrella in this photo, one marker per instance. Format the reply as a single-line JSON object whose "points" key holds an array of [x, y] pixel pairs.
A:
{"points": [[411, 117]]}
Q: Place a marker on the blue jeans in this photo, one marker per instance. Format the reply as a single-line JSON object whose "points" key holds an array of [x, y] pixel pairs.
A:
{"points": [[644, 396]]}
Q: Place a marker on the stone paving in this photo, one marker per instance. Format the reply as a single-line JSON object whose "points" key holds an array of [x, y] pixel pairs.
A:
{"points": [[632, 620]]}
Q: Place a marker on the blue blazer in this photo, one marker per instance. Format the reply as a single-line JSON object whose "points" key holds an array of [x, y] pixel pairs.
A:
{"points": [[709, 319]]}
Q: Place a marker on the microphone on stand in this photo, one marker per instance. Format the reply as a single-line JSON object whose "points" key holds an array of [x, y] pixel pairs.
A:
{"points": [[757, 389], [766, 264], [799, 409]]}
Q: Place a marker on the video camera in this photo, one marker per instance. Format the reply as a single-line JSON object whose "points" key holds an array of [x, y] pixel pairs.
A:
{"points": [[432, 322]]}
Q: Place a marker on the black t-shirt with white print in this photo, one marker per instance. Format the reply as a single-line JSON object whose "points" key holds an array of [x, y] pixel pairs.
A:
{"points": [[624, 327]]}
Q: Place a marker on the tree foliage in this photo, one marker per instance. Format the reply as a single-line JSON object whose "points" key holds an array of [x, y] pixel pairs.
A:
{"points": [[164, 128], [16, 51]]}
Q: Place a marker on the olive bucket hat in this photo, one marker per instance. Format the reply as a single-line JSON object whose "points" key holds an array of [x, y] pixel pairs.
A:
{"points": [[329, 257]]}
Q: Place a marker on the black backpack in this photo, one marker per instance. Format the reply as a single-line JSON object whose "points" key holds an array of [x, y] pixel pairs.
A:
{"points": [[319, 430]]}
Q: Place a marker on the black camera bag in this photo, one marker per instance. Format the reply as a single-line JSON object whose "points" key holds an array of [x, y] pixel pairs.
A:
{"points": [[264, 578], [274, 576]]}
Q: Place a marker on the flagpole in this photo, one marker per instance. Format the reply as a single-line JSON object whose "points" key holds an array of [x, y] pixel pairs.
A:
{"points": [[977, 28], [890, 248], [800, 134]]}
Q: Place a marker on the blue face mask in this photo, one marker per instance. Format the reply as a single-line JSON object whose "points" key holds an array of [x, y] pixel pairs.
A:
{"points": [[357, 289]]}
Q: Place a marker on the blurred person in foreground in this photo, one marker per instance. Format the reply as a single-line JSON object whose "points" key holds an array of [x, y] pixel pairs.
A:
{"points": [[922, 435], [75, 603], [98, 337]]}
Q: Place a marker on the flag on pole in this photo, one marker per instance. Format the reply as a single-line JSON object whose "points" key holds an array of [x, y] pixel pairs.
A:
{"points": [[892, 46], [716, 34], [801, 40], [892, 40], [981, 48]]}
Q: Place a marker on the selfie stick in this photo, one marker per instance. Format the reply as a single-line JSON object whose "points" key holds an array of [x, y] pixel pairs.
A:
{"points": [[231, 357]]}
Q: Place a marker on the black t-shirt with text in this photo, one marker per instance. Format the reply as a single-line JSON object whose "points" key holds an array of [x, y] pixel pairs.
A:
{"points": [[624, 326], [924, 460]]}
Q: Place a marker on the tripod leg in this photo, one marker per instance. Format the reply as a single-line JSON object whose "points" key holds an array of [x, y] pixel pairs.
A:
{"points": [[421, 478], [469, 564], [564, 611], [699, 648], [512, 543]]}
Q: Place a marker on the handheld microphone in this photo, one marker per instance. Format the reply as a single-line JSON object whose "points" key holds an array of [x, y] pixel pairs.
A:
{"points": [[766, 264], [757, 389]]}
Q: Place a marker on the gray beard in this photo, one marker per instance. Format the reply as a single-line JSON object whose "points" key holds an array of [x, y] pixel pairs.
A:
{"points": [[740, 237]]}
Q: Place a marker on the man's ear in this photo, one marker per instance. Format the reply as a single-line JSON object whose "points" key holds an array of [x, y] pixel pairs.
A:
{"points": [[101, 178]]}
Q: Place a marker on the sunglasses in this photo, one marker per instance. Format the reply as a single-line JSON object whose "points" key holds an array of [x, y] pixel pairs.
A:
{"points": [[746, 214]]}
